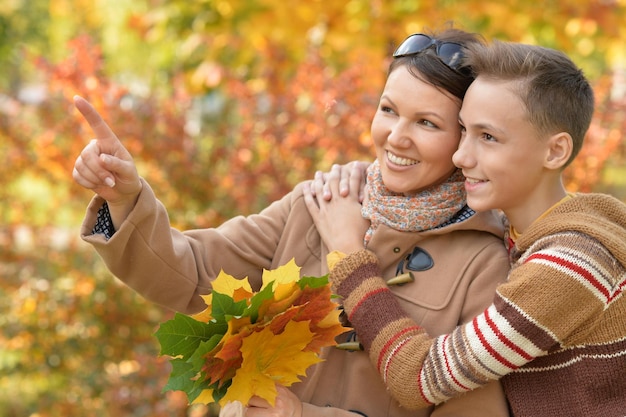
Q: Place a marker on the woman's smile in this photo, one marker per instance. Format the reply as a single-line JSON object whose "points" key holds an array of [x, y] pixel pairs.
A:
{"points": [[398, 160]]}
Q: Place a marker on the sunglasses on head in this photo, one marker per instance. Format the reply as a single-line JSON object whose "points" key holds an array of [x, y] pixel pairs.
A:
{"points": [[450, 53]]}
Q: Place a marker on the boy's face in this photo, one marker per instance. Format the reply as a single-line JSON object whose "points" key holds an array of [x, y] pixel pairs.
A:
{"points": [[500, 153]]}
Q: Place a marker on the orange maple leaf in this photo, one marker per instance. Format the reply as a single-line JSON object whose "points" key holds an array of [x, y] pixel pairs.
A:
{"points": [[223, 361], [326, 331], [316, 303], [271, 307], [279, 322]]}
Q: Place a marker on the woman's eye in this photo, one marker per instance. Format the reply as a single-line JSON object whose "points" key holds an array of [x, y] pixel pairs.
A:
{"points": [[488, 137], [386, 109], [427, 123]]}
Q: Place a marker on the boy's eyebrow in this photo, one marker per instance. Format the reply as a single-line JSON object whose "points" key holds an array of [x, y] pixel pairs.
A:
{"points": [[386, 96], [482, 126]]}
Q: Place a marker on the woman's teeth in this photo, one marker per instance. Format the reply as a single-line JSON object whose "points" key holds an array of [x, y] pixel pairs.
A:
{"points": [[400, 161]]}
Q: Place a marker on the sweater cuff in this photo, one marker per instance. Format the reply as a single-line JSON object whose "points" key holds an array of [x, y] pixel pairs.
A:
{"points": [[356, 278], [333, 258], [350, 268]]}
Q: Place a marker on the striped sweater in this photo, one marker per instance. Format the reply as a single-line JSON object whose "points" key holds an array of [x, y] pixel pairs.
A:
{"points": [[555, 333]]}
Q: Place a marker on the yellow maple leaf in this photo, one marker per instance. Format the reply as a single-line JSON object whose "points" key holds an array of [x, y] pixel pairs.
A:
{"points": [[205, 397], [238, 324], [285, 274], [269, 359], [205, 315], [237, 289], [285, 289], [228, 285]]}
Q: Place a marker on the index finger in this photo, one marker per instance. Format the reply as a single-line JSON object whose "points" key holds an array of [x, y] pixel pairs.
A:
{"points": [[98, 125]]}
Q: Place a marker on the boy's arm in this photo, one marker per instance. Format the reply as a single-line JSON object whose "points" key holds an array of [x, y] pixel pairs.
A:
{"points": [[438, 368], [488, 400], [372, 310]]}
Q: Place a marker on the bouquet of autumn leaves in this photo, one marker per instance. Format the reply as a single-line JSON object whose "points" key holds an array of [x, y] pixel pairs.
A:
{"points": [[246, 342]]}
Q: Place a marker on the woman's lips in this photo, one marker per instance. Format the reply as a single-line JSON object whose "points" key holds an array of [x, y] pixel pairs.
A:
{"points": [[398, 160]]}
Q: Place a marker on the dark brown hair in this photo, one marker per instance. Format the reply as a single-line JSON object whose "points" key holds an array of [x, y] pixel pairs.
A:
{"points": [[426, 66]]}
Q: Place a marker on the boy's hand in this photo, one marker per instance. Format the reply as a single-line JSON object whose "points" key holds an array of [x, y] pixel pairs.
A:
{"points": [[105, 166], [338, 220], [352, 176]]}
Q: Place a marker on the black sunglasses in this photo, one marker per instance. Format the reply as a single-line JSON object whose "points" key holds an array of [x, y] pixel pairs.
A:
{"points": [[450, 53]]}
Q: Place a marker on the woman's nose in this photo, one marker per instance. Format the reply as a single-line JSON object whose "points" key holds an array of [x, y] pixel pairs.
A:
{"points": [[399, 135]]}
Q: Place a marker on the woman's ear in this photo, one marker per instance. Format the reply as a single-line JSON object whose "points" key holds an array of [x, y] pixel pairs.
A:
{"points": [[559, 149]]}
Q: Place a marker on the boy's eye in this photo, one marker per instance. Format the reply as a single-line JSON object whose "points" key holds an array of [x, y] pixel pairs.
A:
{"points": [[488, 137]]}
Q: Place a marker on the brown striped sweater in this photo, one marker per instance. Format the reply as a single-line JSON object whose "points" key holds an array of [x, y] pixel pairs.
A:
{"points": [[555, 333]]}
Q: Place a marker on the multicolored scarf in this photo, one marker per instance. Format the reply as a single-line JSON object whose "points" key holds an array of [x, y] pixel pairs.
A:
{"points": [[422, 211]]}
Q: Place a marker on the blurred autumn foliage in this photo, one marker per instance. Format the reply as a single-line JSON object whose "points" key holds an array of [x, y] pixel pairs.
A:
{"points": [[225, 105]]}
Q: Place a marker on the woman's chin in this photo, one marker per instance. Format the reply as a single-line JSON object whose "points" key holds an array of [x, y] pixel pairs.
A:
{"points": [[399, 188]]}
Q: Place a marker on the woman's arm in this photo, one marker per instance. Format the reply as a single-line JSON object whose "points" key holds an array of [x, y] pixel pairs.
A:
{"points": [[174, 268], [106, 167]]}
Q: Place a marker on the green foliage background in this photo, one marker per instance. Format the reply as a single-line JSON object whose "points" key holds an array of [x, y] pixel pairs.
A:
{"points": [[225, 106]]}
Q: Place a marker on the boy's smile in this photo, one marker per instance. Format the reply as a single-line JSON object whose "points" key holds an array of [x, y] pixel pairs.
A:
{"points": [[501, 155]]}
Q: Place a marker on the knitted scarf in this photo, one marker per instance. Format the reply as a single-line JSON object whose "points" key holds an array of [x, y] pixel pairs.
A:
{"points": [[422, 211]]}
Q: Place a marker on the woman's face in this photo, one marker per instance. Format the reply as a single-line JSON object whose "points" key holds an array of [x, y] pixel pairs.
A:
{"points": [[415, 132]]}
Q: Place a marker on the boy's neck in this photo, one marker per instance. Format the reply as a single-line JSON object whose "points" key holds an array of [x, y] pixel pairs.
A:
{"points": [[520, 218]]}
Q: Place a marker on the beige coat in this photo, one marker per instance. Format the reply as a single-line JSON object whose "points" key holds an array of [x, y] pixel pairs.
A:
{"points": [[173, 268]]}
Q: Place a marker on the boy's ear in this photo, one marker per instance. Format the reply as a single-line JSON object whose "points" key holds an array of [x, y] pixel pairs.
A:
{"points": [[559, 149]]}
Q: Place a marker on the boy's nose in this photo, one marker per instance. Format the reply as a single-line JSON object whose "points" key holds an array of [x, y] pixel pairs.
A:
{"points": [[462, 157]]}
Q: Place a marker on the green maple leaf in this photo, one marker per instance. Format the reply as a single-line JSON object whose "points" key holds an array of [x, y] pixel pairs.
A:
{"points": [[223, 307], [181, 377], [198, 358], [182, 335], [220, 392], [256, 301], [199, 385], [313, 282]]}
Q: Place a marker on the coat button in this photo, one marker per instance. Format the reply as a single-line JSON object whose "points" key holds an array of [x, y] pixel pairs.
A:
{"points": [[396, 250]]}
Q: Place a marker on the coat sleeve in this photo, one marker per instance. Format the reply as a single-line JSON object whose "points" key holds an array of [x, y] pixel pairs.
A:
{"points": [[309, 410], [173, 268]]}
